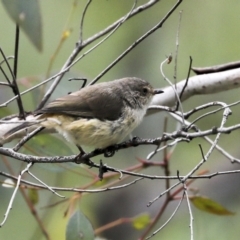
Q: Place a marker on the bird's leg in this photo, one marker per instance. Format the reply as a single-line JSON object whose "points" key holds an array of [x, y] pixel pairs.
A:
{"points": [[102, 167], [82, 152], [79, 159]]}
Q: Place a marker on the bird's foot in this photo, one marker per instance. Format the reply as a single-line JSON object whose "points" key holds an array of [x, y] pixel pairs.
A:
{"points": [[110, 151]]}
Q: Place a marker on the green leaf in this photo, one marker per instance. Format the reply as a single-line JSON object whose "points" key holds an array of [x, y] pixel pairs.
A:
{"points": [[210, 206], [79, 227], [26, 14], [49, 145], [33, 196], [141, 221]]}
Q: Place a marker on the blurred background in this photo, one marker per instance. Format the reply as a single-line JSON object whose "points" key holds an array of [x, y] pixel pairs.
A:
{"points": [[209, 32]]}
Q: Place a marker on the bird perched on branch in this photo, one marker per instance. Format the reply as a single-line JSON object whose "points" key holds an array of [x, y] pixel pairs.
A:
{"points": [[99, 115]]}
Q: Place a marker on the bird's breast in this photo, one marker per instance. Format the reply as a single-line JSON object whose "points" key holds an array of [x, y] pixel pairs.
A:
{"points": [[99, 133]]}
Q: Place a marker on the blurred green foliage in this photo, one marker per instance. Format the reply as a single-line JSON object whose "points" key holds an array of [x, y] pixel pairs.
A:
{"points": [[209, 33]]}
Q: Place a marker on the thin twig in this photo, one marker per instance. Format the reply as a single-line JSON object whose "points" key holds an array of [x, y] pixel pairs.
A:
{"points": [[28, 201], [172, 144], [14, 81], [139, 40], [108, 29], [105, 38], [226, 113], [8, 58], [82, 190], [208, 113], [82, 20], [27, 138], [6, 77], [206, 156], [14, 194], [177, 46], [169, 219], [44, 184], [217, 68], [163, 193], [186, 83], [190, 212], [6, 61], [173, 87], [220, 149], [5, 84], [71, 189]]}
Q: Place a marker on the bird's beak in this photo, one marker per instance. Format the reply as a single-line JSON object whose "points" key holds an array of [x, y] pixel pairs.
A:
{"points": [[157, 91]]}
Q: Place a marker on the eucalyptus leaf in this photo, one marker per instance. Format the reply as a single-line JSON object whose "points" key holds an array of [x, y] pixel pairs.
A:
{"points": [[33, 196], [50, 145], [141, 221], [79, 227], [208, 205], [27, 15]]}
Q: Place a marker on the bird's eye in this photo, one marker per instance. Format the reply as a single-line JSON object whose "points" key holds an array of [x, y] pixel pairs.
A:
{"points": [[145, 90]]}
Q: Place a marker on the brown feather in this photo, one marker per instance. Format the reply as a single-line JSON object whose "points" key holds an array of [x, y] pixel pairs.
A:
{"points": [[84, 103]]}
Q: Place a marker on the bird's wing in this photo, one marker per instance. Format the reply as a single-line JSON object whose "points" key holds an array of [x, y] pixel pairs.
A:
{"points": [[101, 103]]}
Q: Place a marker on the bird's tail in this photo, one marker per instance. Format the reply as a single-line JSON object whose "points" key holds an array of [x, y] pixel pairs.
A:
{"points": [[33, 120], [18, 128]]}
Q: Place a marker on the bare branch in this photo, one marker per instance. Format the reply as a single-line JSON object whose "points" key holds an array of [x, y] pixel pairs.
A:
{"points": [[169, 219], [177, 47], [200, 85], [139, 40], [14, 193], [190, 211], [217, 68], [82, 20], [112, 26]]}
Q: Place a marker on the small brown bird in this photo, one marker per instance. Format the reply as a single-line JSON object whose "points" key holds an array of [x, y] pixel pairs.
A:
{"points": [[99, 115]]}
